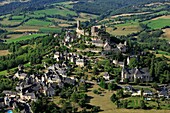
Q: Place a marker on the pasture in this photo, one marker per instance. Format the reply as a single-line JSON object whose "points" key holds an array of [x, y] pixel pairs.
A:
{"points": [[56, 11], [21, 17], [6, 21], [159, 23], [25, 37], [35, 22]]}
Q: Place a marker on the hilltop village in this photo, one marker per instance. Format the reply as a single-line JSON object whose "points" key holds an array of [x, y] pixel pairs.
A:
{"points": [[84, 59]]}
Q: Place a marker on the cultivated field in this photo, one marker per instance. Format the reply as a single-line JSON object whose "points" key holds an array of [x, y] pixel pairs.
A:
{"points": [[48, 30], [123, 30], [26, 37], [4, 52]]}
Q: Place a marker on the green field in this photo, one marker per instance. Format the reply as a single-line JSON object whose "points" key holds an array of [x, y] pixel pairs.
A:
{"points": [[17, 17], [66, 4], [159, 23], [6, 73], [50, 30], [26, 37], [35, 22], [6, 21], [35, 15], [163, 53], [56, 11]]}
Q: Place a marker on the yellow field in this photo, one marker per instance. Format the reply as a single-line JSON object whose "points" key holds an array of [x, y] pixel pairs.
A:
{"points": [[123, 30], [160, 55], [13, 36], [162, 17], [64, 25], [85, 17], [4, 52], [57, 20], [166, 34], [129, 14]]}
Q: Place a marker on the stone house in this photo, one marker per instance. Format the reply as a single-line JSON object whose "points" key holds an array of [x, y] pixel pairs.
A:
{"points": [[80, 62], [106, 76], [122, 47], [137, 73]]}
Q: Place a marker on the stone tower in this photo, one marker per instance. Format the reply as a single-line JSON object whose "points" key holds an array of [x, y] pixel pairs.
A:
{"points": [[78, 24]]}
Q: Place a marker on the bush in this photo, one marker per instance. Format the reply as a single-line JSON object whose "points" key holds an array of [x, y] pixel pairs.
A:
{"points": [[95, 91]]}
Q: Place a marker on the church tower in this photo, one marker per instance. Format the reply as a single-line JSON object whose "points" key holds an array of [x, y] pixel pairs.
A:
{"points": [[78, 24]]}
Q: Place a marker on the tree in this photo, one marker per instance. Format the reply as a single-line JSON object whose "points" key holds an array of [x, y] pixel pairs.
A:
{"points": [[125, 104], [133, 63], [82, 103], [74, 97], [142, 104], [95, 70], [95, 109], [113, 98], [158, 104], [152, 67], [120, 93], [102, 84], [118, 104], [167, 75], [126, 80], [112, 86], [142, 92], [43, 105]]}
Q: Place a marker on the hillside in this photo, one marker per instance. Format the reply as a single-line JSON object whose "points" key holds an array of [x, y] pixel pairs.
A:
{"points": [[107, 6]]}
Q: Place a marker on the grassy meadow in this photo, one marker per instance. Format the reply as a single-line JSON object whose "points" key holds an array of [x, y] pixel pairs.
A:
{"points": [[25, 37], [159, 23], [35, 22]]}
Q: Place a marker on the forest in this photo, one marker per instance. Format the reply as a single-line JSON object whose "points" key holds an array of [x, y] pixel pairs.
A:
{"points": [[105, 6], [26, 6]]}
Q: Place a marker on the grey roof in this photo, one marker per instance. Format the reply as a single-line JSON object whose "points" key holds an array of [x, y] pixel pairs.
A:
{"points": [[97, 41], [147, 91], [163, 92], [137, 71], [69, 81], [32, 95], [9, 92]]}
